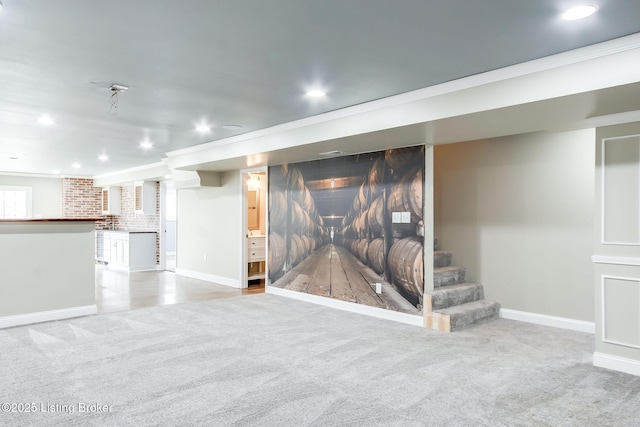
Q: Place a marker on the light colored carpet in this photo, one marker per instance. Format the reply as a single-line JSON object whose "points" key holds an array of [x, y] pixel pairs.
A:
{"points": [[268, 360]]}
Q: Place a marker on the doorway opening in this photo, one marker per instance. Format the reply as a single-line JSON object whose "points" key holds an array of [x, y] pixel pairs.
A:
{"points": [[254, 190], [168, 226]]}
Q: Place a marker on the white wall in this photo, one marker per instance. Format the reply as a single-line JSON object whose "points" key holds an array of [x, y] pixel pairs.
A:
{"points": [[518, 212], [209, 222], [46, 194]]}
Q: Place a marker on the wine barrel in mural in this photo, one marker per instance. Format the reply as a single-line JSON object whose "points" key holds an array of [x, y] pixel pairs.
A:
{"points": [[276, 253], [406, 196], [376, 217], [406, 262], [333, 233], [375, 255]]}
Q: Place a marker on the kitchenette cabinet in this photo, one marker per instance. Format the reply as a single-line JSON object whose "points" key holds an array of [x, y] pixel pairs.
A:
{"points": [[144, 197], [129, 250], [111, 201]]}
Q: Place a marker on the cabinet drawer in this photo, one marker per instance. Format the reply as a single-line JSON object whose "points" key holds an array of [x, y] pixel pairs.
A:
{"points": [[256, 243], [255, 255]]}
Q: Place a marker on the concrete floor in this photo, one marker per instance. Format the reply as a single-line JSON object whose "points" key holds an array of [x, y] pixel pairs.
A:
{"points": [[120, 291]]}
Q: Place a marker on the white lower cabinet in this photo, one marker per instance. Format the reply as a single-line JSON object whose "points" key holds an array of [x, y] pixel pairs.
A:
{"points": [[133, 251], [256, 256]]}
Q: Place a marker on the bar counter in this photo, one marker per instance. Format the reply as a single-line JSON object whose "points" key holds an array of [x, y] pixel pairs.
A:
{"points": [[47, 269]]}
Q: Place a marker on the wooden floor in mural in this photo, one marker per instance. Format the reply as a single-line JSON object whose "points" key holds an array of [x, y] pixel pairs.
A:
{"points": [[331, 271]]}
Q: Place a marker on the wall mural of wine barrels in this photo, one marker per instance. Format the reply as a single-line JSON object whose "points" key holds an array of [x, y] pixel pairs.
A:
{"points": [[339, 226]]}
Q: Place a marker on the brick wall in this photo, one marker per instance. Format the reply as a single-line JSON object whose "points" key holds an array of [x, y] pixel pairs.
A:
{"points": [[80, 199]]}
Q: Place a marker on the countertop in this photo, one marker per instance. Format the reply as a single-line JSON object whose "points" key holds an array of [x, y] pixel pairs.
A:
{"points": [[51, 220], [127, 231]]}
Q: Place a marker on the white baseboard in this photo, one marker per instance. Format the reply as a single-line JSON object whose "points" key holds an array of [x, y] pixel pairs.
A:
{"points": [[150, 267], [128, 269], [616, 363], [234, 283], [543, 319], [396, 316], [46, 316]]}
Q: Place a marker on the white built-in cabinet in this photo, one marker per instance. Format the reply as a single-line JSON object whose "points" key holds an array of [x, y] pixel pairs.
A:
{"points": [[144, 197], [256, 256], [111, 201], [133, 251]]}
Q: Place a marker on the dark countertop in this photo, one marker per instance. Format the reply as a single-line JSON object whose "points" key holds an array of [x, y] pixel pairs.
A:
{"points": [[51, 220]]}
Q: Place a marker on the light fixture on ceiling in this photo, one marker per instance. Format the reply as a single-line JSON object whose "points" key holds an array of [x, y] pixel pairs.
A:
{"points": [[45, 120], [76, 165], [146, 145], [579, 12], [231, 127], [253, 182], [167, 177], [113, 99], [203, 128], [316, 93], [103, 157]]}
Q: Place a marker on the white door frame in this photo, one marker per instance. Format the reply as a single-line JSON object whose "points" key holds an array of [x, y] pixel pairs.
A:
{"points": [[163, 226], [244, 228]]}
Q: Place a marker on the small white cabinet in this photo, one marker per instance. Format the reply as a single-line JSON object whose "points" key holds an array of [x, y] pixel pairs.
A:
{"points": [[256, 255], [111, 201], [144, 197], [133, 251]]}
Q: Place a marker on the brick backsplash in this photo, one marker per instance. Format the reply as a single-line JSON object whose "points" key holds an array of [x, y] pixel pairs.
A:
{"points": [[130, 221], [80, 199]]}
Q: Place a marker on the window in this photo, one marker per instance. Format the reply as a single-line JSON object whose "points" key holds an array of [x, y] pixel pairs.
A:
{"points": [[15, 202]]}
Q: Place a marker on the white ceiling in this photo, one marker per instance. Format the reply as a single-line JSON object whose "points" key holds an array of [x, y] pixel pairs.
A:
{"points": [[248, 62]]}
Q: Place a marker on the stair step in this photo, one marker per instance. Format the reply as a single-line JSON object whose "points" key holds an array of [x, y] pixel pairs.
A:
{"points": [[441, 259], [472, 313], [450, 295], [444, 276]]}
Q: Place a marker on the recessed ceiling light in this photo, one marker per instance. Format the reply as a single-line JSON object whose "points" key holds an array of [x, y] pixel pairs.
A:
{"points": [[203, 128], [45, 120], [146, 145], [579, 12], [103, 157], [17, 156], [167, 177], [55, 172], [231, 127], [76, 165], [316, 93]]}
